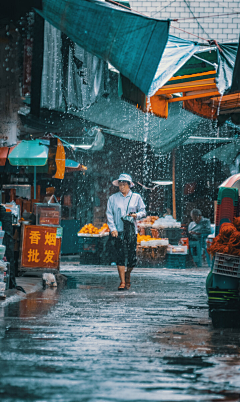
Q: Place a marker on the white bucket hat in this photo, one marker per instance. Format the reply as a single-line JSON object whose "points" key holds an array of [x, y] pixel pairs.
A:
{"points": [[123, 177]]}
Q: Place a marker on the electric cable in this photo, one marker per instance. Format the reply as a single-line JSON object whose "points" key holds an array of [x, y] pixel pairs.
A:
{"points": [[189, 33], [128, 8], [163, 8], [176, 20], [205, 16], [187, 4]]}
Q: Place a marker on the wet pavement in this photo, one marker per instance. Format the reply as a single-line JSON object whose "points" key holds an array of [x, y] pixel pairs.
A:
{"points": [[89, 342]]}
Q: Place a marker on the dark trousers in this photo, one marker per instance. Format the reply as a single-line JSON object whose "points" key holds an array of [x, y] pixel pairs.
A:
{"points": [[126, 251]]}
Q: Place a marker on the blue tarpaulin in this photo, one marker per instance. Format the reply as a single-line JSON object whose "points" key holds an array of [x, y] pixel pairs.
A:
{"points": [[176, 53], [131, 42], [236, 72], [226, 63]]}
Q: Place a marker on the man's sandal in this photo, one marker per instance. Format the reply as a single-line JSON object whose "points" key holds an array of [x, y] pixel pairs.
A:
{"points": [[128, 285], [121, 286]]}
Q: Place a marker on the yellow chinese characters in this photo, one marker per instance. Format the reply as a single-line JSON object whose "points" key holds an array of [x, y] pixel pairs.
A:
{"points": [[33, 256], [35, 236], [50, 239], [49, 256]]}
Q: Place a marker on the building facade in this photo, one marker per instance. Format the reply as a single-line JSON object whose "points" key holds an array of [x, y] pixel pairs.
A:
{"points": [[220, 28]]}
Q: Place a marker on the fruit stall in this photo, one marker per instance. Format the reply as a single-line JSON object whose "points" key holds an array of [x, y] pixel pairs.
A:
{"points": [[223, 281], [159, 242], [93, 243]]}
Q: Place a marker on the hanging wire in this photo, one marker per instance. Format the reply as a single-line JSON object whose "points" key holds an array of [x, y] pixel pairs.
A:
{"points": [[205, 16], [180, 19], [163, 8], [200, 26], [189, 33], [128, 8]]}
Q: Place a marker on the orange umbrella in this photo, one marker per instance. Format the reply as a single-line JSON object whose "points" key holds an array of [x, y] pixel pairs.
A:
{"points": [[60, 161]]}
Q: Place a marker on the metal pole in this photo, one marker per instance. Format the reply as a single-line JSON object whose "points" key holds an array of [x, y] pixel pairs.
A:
{"points": [[35, 181], [173, 184]]}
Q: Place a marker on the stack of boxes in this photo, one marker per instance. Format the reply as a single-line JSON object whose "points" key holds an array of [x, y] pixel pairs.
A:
{"points": [[177, 253], [4, 276], [227, 206]]}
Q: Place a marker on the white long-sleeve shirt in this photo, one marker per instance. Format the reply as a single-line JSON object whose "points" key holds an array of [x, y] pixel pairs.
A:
{"points": [[117, 207]]}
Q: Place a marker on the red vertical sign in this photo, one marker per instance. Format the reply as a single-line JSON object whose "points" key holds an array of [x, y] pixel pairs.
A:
{"points": [[41, 247]]}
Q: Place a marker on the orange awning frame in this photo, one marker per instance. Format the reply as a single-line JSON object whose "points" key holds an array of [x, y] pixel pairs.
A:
{"points": [[194, 86], [202, 90], [4, 152], [3, 155]]}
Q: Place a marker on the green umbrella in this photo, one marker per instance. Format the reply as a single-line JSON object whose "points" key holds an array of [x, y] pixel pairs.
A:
{"points": [[29, 153]]}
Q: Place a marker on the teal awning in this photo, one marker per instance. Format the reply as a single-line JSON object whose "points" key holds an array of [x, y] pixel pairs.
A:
{"points": [[29, 153], [131, 42], [69, 163], [225, 153]]}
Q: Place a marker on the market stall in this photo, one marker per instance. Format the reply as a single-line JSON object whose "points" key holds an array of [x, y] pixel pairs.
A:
{"points": [[223, 280], [7, 277], [161, 242], [93, 243], [43, 163], [154, 248]]}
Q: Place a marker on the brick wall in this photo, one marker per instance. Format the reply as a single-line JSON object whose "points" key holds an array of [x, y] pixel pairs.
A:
{"points": [[225, 28]]}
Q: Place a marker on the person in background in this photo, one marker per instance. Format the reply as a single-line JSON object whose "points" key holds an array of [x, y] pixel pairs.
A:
{"points": [[119, 204], [50, 191], [199, 225], [168, 212]]}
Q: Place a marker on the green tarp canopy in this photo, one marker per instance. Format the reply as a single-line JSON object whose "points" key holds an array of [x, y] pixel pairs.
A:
{"points": [[124, 120], [236, 73], [225, 153], [131, 42]]}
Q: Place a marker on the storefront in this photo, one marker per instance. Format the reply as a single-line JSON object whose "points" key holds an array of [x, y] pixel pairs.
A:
{"points": [[32, 172]]}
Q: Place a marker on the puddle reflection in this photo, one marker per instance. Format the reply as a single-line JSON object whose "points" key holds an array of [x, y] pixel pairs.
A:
{"points": [[88, 342]]}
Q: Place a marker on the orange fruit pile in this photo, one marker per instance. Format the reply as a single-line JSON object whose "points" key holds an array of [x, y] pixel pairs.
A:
{"points": [[91, 229], [145, 238], [149, 219], [104, 228]]}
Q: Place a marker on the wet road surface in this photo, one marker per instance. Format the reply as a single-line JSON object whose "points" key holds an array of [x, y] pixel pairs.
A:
{"points": [[89, 342]]}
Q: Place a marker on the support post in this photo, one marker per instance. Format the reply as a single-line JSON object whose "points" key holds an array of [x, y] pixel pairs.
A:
{"points": [[35, 181], [173, 184], [37, 65]]}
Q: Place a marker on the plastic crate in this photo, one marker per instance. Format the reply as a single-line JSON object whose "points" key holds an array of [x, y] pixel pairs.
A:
{"points": [[223, 298], [229, 193], [172, 234], [176, 261], [226, 211], [226, 264], [93, 250], [89, 244], [228, 200], [88, 258], [226, 208]]}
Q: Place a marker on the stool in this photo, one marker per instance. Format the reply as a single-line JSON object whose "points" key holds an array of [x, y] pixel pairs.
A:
{"points": [[196, 251]]}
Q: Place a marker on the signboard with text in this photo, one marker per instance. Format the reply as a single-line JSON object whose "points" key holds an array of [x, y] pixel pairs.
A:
{"points": [[41, 246]]}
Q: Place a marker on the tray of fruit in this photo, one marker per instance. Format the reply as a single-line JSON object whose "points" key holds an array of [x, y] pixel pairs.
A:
{"points": [[90, 230], [148, 241], [147, 222]]}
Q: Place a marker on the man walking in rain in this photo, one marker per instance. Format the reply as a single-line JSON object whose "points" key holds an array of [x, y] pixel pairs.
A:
{"points": [[124, 203]]}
